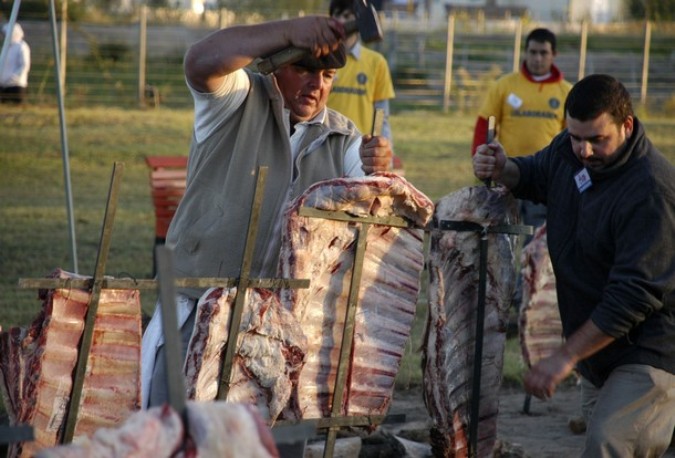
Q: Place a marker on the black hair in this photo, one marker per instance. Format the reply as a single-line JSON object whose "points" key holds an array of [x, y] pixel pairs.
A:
{"points": [[339, 6], [598, 94], [541, 35]]}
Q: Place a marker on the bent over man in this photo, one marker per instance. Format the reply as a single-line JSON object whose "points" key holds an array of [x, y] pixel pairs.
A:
{"points": [[610, 196]]}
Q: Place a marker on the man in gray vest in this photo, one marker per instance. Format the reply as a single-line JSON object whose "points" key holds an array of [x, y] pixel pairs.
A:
{"points": [[244, 120]]}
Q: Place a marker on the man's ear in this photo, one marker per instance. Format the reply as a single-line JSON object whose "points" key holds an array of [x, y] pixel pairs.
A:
{"points": [[628, 126]]}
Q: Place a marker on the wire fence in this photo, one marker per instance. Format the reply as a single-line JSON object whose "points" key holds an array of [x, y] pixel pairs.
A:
{"points": [[444, 63]]}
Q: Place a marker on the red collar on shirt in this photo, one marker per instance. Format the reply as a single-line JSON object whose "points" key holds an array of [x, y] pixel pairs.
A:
{"points": [[556, 74]]}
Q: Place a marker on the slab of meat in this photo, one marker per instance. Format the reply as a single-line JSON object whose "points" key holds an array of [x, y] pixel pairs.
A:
{"points": [[450, 342], [322, 250], [270, 351], [214, 429], [156, 432], [539, 326], [37, 365], [228, 430]]}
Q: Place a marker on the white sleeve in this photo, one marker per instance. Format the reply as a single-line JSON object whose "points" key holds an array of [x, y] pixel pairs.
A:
{"points": [[213, 109], [353, 164]]}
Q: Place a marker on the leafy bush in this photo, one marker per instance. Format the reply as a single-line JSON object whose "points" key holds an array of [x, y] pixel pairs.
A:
{"points": [[115, 52]]}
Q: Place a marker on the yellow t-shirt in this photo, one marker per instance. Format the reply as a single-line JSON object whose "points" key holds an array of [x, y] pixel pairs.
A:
{"points": [[528, 114], [359, 84]]}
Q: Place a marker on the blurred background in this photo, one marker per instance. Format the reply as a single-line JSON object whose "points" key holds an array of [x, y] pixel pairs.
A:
{"points": [[442, 53]]}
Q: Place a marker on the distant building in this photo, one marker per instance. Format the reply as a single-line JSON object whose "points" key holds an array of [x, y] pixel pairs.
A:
{"points": [[598, 11]]}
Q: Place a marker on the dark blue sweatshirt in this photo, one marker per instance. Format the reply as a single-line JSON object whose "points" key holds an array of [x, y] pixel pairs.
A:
{"points": [[612, 248]]}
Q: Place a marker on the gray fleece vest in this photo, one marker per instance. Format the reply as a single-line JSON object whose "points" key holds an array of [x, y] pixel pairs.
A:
{"points": [[208, 231]]}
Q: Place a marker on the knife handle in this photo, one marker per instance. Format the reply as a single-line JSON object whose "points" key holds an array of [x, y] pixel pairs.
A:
{"points": [[492, 121], [378, 122]]}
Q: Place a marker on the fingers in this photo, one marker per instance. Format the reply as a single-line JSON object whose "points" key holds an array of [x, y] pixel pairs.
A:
{"points": [[537, 386], [484, 161], [543, 378], [376, 154], [321, 35]]}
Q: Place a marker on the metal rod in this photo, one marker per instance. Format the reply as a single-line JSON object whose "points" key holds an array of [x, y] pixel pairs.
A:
{"points": [[347, 335], [526, 403], [172, 339], [327, 422], [243, 284], [10, 28], [395, 221], [130, 283], [17, 433], [478, 351], [64, 139], [92, 308]]}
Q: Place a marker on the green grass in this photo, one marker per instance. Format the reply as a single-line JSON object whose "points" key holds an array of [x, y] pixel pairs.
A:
{"points": [[34, 236]]}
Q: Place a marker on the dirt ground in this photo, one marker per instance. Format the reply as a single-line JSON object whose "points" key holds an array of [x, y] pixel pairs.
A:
{"points": [[543, 433]]}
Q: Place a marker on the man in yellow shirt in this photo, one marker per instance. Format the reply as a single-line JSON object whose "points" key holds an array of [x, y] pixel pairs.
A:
{"points": [[364, 83], [528, 107], [528, 104]]}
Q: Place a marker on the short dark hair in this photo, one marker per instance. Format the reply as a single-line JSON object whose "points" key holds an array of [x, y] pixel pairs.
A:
{"points": [[338, 6], [598, 94], [541, 35], [336, 59]]}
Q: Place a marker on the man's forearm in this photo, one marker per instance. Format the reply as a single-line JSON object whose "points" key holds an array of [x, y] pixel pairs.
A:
{"points": [[586, 341], [228, 50]]}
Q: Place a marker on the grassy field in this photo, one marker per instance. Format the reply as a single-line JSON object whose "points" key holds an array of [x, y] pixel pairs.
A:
{"points": [[33, 220], [34, 236]]}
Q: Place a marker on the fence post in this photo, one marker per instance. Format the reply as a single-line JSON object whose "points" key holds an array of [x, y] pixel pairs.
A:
{"points": [[142, 47], [582, 49], [516, 45], [645, 63], [449, 51], [64, 44]]}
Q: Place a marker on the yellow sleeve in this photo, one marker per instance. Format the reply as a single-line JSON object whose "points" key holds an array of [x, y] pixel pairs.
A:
{"points": [[384, 87], [492, 105]]}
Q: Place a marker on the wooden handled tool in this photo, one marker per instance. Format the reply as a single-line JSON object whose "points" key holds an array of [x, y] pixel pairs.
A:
{"points": [[492, 121], [378, 122], [367, 24]]}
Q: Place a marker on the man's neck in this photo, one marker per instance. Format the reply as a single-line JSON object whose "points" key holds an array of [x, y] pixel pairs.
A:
{"points": [[351, 40], [541, 77]]}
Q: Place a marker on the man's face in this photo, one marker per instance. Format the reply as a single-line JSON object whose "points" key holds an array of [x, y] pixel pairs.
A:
{"points": [[539, 57], [596, 142], [305, 91], [346, 16]]}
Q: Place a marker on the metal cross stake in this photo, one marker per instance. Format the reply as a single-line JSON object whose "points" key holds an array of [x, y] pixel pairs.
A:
{"points": [[98, 283], [337, 420], [172, 342], [467, 226]]}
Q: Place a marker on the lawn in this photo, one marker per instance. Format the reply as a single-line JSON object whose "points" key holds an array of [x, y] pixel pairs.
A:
{"points": [[34, 234]]}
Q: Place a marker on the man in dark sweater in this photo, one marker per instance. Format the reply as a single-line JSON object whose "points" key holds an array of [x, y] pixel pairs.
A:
{"points": [[610, 196]]}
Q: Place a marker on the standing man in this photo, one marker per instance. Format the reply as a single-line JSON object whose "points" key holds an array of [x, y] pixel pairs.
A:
{"points": [[364, 83], [528, 107], [15, 69], [244, 120], [610, 196]]}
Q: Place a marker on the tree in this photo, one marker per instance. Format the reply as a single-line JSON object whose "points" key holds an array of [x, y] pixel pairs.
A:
{"points": [[653, 10]]}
